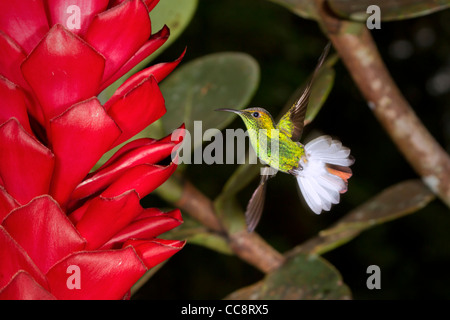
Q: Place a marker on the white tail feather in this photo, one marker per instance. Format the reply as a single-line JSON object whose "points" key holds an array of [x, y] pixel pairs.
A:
{"points": [[320, 186]]}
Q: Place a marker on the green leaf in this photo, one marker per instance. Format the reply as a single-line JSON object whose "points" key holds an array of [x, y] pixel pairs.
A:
{"points": [[390, 10], [211, 241], [173, 13], [303, 277], [396, 201], [196, 89], [171, 190], [176, 15]]}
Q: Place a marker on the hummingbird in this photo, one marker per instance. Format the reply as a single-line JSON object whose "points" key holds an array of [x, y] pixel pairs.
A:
{"points": [[321, 167]]}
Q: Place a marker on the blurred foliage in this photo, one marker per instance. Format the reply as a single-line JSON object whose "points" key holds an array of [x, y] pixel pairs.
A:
{"points": [[176, 15], [195, 89], [303, 277], [409, 251], [394, 202]]}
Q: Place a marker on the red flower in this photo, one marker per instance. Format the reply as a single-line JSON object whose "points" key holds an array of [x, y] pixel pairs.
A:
{"points": [[58, 221]]}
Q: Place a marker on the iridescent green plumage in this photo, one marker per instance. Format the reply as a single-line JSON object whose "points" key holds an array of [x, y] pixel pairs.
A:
{"points": [[285, 155], [263, 133]]}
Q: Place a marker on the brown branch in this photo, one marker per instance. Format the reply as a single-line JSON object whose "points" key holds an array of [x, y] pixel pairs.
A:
{"points": [[256, 251], [250, 247], [200, 207], [359, 53]]}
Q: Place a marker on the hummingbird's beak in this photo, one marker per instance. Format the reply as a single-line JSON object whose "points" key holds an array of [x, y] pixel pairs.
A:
{"points": [[228, 110]]}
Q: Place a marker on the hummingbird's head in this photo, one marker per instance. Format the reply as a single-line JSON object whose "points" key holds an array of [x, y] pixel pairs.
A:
{"points": [[254, 118]]}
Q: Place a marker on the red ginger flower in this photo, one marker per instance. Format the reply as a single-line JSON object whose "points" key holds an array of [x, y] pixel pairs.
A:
{"points": [[55, 216]]}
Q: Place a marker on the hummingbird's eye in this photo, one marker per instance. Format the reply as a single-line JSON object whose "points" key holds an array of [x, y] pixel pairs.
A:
{"points": [[255, 114]]}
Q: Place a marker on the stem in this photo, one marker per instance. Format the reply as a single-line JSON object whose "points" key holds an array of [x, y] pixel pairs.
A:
{"points": [[200, 207], [359, 53], [250, 247]]}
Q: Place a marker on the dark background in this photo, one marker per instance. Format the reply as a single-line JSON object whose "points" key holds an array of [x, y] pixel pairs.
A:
{"points": [[412, 252]]}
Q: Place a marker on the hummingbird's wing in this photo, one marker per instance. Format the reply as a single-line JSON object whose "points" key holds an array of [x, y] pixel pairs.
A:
{"points": [[256, 204], [292, 122]]}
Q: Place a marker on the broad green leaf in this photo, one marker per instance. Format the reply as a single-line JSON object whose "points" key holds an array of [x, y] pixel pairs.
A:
{"points": [[173, 13], [303, 277], [197, 88], [394, 202], [176, 15], [389, 10], [171, 190]]}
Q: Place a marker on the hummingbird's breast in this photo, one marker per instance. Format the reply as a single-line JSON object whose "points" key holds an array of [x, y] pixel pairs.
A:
{"points": [[277, 150], [290, 154]]}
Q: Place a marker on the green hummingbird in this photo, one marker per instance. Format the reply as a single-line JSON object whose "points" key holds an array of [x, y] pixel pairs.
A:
{"points": [[321, 167]]}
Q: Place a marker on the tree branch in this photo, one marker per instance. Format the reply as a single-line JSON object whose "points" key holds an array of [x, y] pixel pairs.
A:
{"points": [[250, 247]]}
